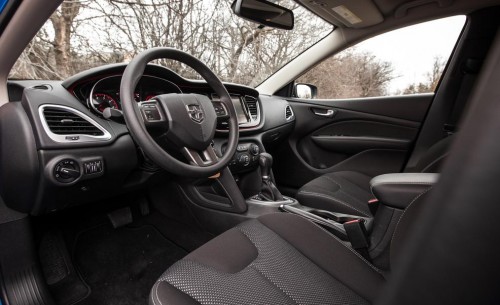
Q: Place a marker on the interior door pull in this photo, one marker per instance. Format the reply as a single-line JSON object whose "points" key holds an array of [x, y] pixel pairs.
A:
{"points": [[327, 113]]}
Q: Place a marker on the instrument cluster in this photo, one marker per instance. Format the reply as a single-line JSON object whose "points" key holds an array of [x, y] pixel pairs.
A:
{"points": [[106, 92]]}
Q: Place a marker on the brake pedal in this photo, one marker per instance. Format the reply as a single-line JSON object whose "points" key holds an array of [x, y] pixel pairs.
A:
{"points": [[144, 207], [120, 217]]}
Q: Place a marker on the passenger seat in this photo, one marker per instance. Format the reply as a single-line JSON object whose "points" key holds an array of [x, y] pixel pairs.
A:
{"points": [[349, 192]]}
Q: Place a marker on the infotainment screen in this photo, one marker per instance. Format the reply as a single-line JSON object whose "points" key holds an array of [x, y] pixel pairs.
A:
{"points": [[240, 110]]}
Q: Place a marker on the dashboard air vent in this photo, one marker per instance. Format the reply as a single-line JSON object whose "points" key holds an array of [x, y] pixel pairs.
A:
{"points": [[42, 87], [288, 112], [64, 122], [252, 107]]}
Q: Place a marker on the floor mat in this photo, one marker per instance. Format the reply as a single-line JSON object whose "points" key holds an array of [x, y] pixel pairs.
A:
{"points": [[65, 285], [188, 237], [121, 265]]}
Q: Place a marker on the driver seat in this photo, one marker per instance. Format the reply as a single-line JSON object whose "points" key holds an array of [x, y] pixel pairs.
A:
{"points": [[277, 258]]}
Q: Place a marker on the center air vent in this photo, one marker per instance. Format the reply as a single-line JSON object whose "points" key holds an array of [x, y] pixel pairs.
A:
{"points": [[288, 113], [65, 124], [252, 107]]}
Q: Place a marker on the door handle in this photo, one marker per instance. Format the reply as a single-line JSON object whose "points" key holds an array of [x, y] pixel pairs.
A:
{"points": [[327, 113]]}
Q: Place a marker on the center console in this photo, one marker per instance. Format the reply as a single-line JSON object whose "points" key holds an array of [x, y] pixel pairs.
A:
{"points": [[245, 158], [372, 236], [268, 194], [246, 189], [332, 221]]}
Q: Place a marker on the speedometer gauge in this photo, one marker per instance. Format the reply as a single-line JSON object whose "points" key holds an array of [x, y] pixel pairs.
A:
{"points": [[102, 101]]}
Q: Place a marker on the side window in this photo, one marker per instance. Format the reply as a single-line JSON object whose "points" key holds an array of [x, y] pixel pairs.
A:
{"points": [[405, 61]]}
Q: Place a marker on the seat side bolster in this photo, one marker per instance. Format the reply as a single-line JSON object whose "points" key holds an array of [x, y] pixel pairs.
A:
{"points": [[164, 291], [328, 252], [230, 252]]}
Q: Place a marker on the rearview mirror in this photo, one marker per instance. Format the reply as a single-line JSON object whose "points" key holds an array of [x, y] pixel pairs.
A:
{"points": [[265, 13]]}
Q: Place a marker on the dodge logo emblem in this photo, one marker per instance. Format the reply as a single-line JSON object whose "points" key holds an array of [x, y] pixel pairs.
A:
{"points": [[195, 113]]}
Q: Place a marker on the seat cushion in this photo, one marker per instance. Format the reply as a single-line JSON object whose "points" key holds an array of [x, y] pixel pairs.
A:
{"points": [[275, 259], [343, 192]]}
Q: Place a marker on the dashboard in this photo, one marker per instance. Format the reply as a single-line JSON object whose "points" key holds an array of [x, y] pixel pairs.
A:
{"points": [[98, 91], [70, 154]]}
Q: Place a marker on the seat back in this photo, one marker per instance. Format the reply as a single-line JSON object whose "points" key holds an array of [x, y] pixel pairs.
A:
{"points": [[450, 253], [432, 160]]}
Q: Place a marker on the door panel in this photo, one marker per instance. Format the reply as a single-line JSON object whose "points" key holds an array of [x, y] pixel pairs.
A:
{"points": [[372, 136], [357, 144]]}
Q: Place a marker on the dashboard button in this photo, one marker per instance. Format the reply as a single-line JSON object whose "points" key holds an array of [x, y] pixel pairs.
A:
{"points": [[93, 167], [242, 147], [151, 112], [254, 149], [244, 159]]}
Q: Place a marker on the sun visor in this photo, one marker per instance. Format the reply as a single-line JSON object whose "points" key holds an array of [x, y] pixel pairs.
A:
{"points": [[350, 13]]}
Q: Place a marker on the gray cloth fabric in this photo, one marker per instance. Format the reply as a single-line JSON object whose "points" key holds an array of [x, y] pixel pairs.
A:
{"points": [[341, 192], [433, 159], [348, 192], [283, 272]]}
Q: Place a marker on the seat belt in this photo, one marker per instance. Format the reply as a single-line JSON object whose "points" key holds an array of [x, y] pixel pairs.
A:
{"points": [[471, 69]]}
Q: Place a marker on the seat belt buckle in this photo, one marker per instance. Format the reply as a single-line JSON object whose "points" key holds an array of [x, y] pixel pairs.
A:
{"points": [[356, 233], [373, 205]]}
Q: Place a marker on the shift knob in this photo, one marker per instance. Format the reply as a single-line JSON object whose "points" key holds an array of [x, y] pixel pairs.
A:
{"points": [[269, 191], [265, 162]]}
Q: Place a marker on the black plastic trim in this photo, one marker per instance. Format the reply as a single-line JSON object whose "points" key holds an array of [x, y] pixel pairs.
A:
{"points": [[19, 163]]}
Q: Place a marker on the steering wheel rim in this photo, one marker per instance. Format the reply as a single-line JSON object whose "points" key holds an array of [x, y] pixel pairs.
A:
{"points": [[136, 125]]}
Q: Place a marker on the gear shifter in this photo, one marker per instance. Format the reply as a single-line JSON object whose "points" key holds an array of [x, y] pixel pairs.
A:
{"points": [[269, 191]]}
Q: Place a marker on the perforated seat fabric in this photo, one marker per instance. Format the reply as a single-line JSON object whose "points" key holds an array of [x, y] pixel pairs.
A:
{"points": [[348, 191], [275, 259]]}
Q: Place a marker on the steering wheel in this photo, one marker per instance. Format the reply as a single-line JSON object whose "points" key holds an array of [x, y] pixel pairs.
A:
{"points": [[185, 122]]}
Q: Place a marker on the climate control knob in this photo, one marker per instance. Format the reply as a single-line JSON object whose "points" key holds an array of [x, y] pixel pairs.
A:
{"points": [[244, 159], [67, 171], [254, 149]]}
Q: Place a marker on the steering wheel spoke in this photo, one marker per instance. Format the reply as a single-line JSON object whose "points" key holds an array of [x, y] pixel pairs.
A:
{"points": [[204, 158]]}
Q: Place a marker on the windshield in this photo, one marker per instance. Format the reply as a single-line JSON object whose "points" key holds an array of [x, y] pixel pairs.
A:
{"points": [[85, 34]]}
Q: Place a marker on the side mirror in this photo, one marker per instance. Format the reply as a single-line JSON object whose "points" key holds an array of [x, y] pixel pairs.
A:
{"points": [[265, 13], [305, 91]]}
